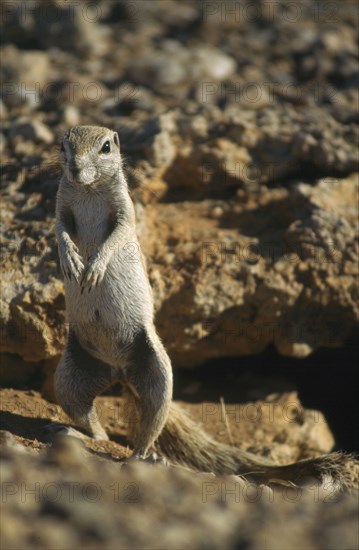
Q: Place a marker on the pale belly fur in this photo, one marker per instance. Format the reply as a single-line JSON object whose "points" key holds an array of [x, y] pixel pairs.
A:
{"points": [[106, 318]]}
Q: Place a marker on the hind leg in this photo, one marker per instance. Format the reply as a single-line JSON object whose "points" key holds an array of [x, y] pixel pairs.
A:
{"points": [[149, 379], [79, 378]]}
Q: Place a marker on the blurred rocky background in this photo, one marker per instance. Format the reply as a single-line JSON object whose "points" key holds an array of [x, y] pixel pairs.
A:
{"points": [[239, 129]]}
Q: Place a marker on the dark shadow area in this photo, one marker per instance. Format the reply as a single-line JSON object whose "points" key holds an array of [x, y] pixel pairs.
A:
{"points": [[35, 428], [24, 426], [223, 186], [269, 221], [327, 381]]}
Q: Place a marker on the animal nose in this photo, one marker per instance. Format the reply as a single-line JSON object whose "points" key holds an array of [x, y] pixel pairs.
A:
{"points": [[81, 173]]}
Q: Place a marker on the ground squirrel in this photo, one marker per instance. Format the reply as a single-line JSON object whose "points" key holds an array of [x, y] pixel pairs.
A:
{"points": [[112, 336]]}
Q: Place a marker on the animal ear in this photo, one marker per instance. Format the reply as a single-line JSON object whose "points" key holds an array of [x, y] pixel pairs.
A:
{"points": [[116, 139]]}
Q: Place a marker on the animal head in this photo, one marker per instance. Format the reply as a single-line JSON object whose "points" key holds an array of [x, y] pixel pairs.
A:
{"points": [[90, 154]]}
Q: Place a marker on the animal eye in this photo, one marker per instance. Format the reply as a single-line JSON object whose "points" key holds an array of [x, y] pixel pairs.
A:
{"points": [[106, 148]]}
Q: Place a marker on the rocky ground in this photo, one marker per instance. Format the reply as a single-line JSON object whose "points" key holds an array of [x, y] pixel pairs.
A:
{"points": [[66, 494], [239, 131]]}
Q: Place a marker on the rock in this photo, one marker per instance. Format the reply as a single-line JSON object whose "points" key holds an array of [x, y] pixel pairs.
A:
{"points": [[175, 65], [212, 63], [85, 495], [24, 322], [24, 76], [66, 452], [32, 131], [3, 109], [3, 143], [8, 440], [276, 273], [43, 24], [71, 116]]}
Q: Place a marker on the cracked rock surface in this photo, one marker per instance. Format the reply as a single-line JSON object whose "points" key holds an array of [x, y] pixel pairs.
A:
{"points": [[241, 156]]}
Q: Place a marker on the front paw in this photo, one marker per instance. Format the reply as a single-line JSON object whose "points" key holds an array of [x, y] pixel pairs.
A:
{"points": [[94, 273], [71, 262]]}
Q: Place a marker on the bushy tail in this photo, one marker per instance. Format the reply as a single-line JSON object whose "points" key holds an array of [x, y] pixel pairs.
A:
{"points": [[184, 442]]}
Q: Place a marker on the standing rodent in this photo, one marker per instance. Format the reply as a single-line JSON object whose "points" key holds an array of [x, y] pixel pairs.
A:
{"points": [[112, 335], [108, 296]]}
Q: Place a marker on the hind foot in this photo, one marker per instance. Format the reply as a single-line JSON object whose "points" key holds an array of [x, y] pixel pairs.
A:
{"points": [[152, 458]]}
